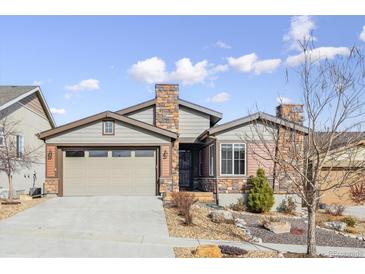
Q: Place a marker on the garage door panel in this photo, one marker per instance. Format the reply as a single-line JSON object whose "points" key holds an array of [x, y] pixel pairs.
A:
{"points": [[88, 176]]}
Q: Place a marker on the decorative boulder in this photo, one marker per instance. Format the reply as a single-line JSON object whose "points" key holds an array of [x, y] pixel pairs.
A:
{"points": [[336, 225], [208, 251], [278, 227], [222, 216]]}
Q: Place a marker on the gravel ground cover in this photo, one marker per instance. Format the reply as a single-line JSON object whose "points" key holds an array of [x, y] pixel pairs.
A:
{"points": [[202, 228], [324, 238], [7, 211], [187, 252]]}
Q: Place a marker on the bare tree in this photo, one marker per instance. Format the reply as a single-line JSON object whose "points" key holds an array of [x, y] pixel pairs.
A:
{"points": [[13, 154], [306, 155]]}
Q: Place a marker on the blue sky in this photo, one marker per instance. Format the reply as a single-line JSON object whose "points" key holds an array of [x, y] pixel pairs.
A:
{"points": [[89, 64]]}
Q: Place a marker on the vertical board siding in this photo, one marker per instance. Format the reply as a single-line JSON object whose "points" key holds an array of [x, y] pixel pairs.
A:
{"points": [[146, 115], [192, 123], [165, 161]]}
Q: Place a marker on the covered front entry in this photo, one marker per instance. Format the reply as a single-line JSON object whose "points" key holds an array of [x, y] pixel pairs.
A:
{"points": [[100, 171]]}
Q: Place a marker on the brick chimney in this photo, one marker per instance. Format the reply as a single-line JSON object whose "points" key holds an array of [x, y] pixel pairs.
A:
{"points": [[167, 106], [291, 112], [167, 117]]}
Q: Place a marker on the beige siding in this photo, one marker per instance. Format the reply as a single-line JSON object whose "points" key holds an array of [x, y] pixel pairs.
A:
{"points": [[30, 123], [124, 133], [192, 123], [146, 115], [247, 132], [33, 103]]}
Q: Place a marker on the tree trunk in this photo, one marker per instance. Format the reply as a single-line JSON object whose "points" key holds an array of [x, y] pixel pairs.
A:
{"points": [[11, 188], [311, 241]]}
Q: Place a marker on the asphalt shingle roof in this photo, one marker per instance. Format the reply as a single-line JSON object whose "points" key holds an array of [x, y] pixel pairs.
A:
{"points": [[8, 93]]}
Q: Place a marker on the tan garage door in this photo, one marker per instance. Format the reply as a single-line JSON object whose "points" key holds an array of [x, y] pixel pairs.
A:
{"points": [[109, 172]]}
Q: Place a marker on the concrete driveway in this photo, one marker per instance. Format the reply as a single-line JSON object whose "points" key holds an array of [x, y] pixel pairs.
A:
{"points": [[88, 227]]}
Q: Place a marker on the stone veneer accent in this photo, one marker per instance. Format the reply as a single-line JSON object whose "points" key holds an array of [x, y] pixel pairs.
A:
{"points": [[51, 186], [204, 184], [284, 174], [167, 117]]}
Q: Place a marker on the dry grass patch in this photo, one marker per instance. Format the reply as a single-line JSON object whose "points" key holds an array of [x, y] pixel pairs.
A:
{"points": [[358, 229], [7, 211], [202, 227], [188, 252]]}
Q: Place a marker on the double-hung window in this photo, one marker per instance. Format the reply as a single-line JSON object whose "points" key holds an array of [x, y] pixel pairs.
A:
{"points": [[108, 127], [233, 159]]}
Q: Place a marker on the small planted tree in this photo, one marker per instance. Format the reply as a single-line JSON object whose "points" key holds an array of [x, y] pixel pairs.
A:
{"points": [[260, 197], [13, 154]]}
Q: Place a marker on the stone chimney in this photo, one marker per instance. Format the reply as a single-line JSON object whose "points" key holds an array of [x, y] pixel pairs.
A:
{"points": [[167, 106], [291, 112], [167, 117]]}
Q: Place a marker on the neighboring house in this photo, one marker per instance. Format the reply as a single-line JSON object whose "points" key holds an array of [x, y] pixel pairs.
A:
{"points": [[345, 167], [26, 106], [162, 145]]}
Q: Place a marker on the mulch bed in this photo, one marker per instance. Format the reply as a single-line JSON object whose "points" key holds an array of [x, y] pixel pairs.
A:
{"points": [[187, 252]]}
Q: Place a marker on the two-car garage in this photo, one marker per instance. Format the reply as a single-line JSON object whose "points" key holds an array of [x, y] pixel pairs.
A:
{"points": [[117, 171]]}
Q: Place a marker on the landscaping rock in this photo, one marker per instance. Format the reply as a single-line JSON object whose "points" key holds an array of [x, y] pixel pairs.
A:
{"points": [[222, 216], [336, 225], [256, 240], [208, 251], [278, 227]]}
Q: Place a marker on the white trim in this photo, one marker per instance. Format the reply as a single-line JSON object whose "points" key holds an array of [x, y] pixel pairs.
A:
{"points": [[43, 102], [210, 172], [220, 160]]}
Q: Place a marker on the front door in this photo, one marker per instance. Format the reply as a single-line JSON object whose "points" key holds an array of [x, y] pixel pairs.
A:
{"points": [[184, 168]]}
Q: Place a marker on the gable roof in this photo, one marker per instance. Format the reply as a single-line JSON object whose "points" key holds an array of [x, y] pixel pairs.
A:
{"points": [[10, 95], [215, 116], [104, 115], [250, 118]]}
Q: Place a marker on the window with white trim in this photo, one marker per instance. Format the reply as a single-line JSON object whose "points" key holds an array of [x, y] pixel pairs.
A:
{"points": [[233, 159], [108, 127], [211, 160], [20, 146]]}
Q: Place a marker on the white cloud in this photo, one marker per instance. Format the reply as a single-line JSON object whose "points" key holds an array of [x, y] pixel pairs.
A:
{"points": [[250, 63], [283, 100], [59, 111], [89, 84], [318, 54], [222, 45], [243, 63], [188, 73], [268, 65], [219, 68], [219, 98], [362, 34], [37, 83], [152, 70], [300, 30]]}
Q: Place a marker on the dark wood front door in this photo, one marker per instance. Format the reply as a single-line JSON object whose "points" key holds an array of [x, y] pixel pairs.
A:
{"points": [[184, 168]]}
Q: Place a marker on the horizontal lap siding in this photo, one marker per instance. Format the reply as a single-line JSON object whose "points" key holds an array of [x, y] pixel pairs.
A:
{"points": [[192, 123], [33, 103], [258, 157], [247, 132], [124, 133], [146, 115]]}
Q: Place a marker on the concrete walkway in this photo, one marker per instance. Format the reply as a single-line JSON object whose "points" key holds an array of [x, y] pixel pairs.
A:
{"points": [[356, 211], [88, 227]]}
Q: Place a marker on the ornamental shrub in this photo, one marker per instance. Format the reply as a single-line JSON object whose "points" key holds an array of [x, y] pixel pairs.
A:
{"points": [[260, 197]]}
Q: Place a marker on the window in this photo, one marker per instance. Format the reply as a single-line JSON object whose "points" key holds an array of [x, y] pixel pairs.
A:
{"points": [[121, 153], [20, 146], [200, 163], [144, 153], [233, 159], [75, 153], [98, 153], [108, 127], [1, 136], [211, 160]]}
